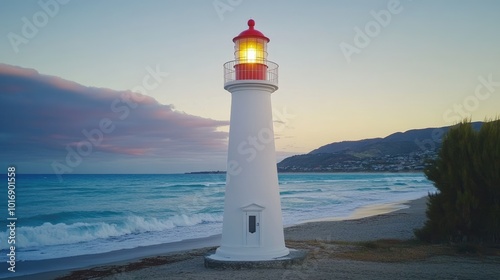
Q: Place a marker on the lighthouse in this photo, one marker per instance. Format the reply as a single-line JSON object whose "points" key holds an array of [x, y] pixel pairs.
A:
{"points": [[252, 225]]}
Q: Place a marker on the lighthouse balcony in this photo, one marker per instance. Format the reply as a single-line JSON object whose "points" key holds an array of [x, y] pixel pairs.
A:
{"points": [[264, 70]]}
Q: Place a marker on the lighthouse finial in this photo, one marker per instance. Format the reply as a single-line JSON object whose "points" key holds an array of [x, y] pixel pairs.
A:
{"points": [[251, 23]]}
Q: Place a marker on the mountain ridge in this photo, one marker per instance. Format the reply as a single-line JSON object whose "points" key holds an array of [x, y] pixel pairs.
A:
{"points": [[399, 151]]}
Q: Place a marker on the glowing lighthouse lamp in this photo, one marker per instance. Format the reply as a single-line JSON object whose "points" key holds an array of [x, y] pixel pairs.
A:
{"points": [[252, 225], [250, 54]]}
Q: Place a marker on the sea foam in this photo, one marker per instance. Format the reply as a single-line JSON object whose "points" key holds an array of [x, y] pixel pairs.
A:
{"points": [[56, 234]]}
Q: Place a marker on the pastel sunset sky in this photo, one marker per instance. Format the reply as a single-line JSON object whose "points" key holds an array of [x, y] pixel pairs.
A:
{"points": [[349, 70]]}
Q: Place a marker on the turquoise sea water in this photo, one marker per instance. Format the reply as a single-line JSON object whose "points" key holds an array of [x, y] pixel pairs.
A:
{"points": [[87, 214]]}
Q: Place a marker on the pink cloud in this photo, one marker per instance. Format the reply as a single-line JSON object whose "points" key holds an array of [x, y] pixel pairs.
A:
{"points": [[47, 114]]}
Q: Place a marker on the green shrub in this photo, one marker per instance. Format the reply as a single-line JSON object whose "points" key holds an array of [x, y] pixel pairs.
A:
{"points": [[466, 173]]}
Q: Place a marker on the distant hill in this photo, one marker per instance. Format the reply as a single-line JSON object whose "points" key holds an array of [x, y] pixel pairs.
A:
{"points": [[400, 151]]}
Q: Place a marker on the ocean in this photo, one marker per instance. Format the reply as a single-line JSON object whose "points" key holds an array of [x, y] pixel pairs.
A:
{"points": [[89, 214]]}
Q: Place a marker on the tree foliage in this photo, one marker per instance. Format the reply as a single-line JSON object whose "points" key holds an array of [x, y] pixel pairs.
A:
{"points": [[466, 173]]}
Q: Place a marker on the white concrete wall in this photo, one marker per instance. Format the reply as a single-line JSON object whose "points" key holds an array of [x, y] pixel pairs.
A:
{"points": [[252, 175]]}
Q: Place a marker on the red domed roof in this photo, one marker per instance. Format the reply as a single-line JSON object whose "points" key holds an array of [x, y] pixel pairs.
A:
{"points": [[251, 33]]}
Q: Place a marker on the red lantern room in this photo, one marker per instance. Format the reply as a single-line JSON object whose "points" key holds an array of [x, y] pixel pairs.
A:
{"points": [[250, 52]]}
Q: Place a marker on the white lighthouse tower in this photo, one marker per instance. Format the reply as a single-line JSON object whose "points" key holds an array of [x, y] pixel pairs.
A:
{"points": [[252, 226]]}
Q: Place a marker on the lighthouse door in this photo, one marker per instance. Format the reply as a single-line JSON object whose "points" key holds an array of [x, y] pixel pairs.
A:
{"points": [[253, 229]]}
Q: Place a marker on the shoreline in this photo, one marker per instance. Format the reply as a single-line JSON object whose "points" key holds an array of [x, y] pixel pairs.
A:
{"points": [[372, 222], [363, 212], [51, 268]]}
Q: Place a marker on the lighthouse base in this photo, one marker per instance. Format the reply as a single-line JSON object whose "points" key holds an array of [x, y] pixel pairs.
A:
{"points": [[249, 253], [294, 257]]}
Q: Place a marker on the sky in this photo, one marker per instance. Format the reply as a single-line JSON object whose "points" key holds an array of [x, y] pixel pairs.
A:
{"points": [[349, 70]]}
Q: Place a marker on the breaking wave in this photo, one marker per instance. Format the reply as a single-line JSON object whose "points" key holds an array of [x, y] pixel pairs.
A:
{"points": [[49, 234]]}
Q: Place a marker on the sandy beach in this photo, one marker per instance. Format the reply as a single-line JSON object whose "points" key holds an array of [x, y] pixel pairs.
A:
{"points": [[337, 250]]}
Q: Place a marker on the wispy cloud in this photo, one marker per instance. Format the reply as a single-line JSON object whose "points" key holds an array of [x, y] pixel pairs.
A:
{"points": [[41, 116]]}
